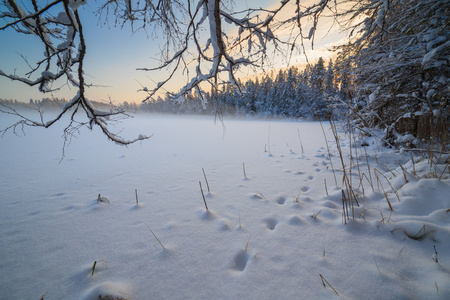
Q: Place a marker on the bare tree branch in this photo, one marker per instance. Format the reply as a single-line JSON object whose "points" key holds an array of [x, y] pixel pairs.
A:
{"points": [[65, 49]]}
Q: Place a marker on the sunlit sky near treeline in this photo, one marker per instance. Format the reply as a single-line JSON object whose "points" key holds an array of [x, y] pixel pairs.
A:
{"points": [[114, 54]]}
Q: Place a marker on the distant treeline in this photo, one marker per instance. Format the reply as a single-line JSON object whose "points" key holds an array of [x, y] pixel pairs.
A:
{"points": [[286, 93], [289, 93], [49, 104]]}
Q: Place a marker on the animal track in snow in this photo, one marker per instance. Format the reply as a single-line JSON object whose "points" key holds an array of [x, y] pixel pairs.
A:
{"points": [[281, 200], [331, 204], [295, 220], [68, 208], [240, 261], [305, 188], [310, 177], [271, 223]]}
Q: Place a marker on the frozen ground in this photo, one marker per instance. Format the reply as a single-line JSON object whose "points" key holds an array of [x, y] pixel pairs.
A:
{"points": [[275, 234]]}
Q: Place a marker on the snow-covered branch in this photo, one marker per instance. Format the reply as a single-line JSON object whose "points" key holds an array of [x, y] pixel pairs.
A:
{"points": [[65, 49]]}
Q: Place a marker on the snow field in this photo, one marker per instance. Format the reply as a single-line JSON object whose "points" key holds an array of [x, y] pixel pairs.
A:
{"points": [[270, 235]]}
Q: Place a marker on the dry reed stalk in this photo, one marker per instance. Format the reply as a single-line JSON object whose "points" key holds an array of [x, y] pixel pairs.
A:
{"points": [[395, 192], [443, 171], [203, 195], [314, 216], [95, 264], [328, 149], [338, 144], [323, 282], [351, 154], [368, 168], [137, 201], [360, 174], [389, 170], [369, 181], [357, 162], [378, 181], [418, 235], [413, 163], [243, 167], [376, 265], [351, 196], [300, 139], [384, 192], [156, 237], [404, 174], [362, 186], [345, 179], [262, 196], [240, 226], [389, 202], [207, 184], [435, 257], [93, 268], [344, 201], [436, 168], [246, 246], [349, 188]]}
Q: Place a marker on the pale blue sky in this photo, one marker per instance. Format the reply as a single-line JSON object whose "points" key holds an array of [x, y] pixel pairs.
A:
{"points": [[113, 55]]}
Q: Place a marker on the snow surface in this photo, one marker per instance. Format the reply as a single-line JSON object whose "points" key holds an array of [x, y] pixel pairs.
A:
{"points": [[257, 241]]}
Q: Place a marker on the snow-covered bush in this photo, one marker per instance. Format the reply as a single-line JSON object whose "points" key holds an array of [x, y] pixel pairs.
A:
{"points": [[401, 69]]}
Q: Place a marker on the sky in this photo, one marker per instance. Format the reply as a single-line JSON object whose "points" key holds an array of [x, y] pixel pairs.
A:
{"points": [[113, 55]]}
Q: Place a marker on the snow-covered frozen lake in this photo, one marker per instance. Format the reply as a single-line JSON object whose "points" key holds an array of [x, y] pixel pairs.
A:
{"points": [[276, 232]]}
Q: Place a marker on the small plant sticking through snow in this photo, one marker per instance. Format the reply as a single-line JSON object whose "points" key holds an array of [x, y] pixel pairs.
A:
{"points": [[203, 195], [95, 264], [102, 199], [154, 235], [434, 257]]}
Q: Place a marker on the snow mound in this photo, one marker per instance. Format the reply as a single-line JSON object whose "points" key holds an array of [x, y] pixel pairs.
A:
{"points": [[423, 197]]}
